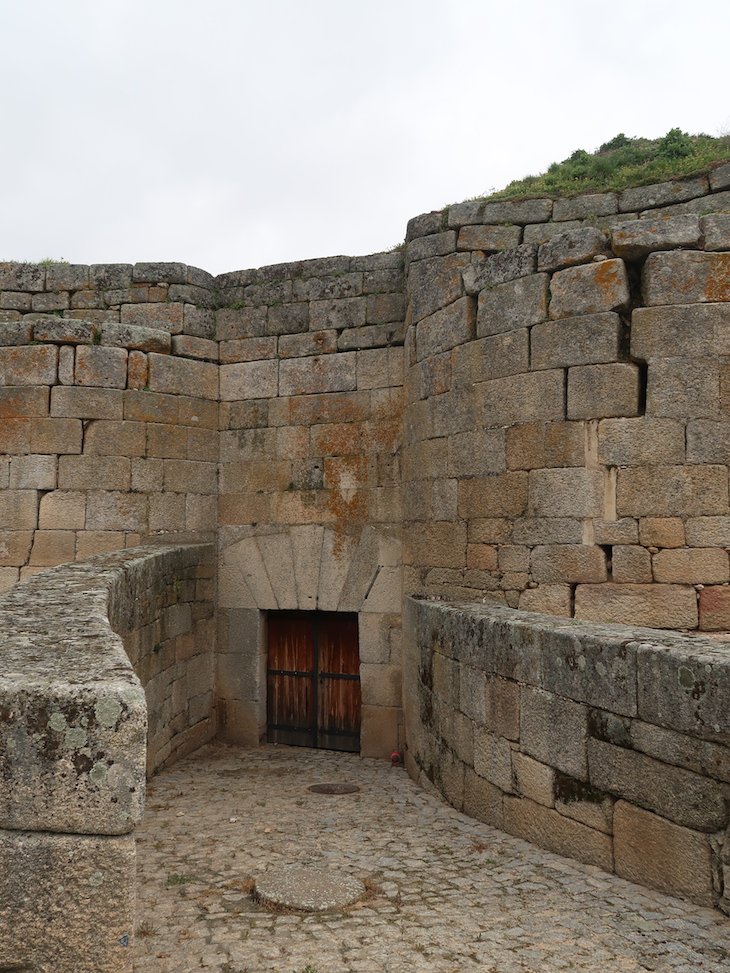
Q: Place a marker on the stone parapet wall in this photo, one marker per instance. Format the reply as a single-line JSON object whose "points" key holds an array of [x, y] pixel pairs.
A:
{"points": [[604, 743], [567, 428], [108, 409], [77, 736]]}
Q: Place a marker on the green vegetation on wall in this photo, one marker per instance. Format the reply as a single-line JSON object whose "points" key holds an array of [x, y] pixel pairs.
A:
{"points": [[623, 162]]}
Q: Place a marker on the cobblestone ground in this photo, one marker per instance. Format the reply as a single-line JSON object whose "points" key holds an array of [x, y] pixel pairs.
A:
{"points": [[447, 894]]}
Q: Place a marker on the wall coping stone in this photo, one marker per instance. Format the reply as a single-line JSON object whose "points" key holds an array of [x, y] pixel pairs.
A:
{"points": [[73, 715]]}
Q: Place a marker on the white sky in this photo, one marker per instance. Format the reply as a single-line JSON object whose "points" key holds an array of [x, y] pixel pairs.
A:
{"points": [[235, 133]]}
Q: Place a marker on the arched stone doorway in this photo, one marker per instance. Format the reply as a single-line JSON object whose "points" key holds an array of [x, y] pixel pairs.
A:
{"points": [[309, 568]]}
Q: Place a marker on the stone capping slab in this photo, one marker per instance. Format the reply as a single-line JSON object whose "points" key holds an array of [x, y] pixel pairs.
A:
{"points": [[73, 715], [680, 682]]}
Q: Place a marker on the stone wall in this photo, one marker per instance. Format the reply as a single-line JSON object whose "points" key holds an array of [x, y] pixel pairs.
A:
{"points": [[108, 409], [311, 386], [604, 743], [77, 735], [568, 420]]}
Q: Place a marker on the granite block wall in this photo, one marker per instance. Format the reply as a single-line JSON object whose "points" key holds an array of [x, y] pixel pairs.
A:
{"points": [[108, 674], [605, 743], [565, 438]]}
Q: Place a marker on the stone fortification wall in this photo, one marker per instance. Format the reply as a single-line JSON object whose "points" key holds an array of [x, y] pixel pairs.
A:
{"points": [[108, 409], [603, 743], [568, 420], [311, 388], [77, 734]]}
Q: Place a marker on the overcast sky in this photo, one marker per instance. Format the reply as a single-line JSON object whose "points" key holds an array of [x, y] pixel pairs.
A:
{"points": [[235, 133]]}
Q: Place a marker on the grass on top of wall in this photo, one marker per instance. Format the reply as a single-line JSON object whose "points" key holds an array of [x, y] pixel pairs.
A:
{"points": [[621, 163]]}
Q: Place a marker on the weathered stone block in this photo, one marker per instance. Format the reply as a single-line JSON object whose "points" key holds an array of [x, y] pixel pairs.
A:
{"points": [[568, 564], [100, 366], [715, 609], [28, 365], [538, 445], [433, 245], [482, 800], [685, 798], [323, 373], [583, 340], [434, 283], [446, 328], [652, 605], [32, 472], [499, 268], [662, 194], [515, 304], [631, 564], [661, 532], [539, 396], [682, 491], [93, 473], [488, 238], [566, 493], [684, 687], [589, 289], [19, 509], [51, 547], [686, 277], [708, 441], [14, 548], [688, 331], [598, 391], [623, 531], [488, 358], [504, 494], [640, 442], [705, 532], [637, 238], [533, 780], [247, 322], [502, 709], [492, 759], [584, 803], [94, 929], [684, 388], [63, 511], [650, 850], [249, 380], [571, 248], [581, 207], [515, 211], [716, 231], [179, 376], [697, 565], [546, 828], [549, 599], [166, 317], [430, 544], [554, 731], [288, 319]]}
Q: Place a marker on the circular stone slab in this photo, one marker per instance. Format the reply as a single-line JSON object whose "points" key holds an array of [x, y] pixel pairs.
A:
{"points": [[307, 888], [334, 788]]}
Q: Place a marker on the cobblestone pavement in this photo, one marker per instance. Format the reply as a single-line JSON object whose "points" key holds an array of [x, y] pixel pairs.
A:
{"points": [[447, 894]]}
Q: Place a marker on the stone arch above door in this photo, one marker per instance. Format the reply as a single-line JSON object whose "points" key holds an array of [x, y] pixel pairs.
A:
{"points": [[310, 568]]}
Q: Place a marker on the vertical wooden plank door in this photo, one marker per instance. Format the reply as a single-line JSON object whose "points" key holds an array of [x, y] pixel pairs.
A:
{"points": [[313, 680]]}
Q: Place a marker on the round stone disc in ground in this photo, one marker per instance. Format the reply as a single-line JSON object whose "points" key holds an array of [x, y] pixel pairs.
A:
{"points": [[308, 888]]}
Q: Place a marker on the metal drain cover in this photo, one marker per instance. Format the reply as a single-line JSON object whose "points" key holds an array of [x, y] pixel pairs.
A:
{"points": [[334, 789], [307, 888]]}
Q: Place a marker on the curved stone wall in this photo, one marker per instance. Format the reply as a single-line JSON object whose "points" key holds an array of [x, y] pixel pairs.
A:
{"points": [[604, 743], [108, 671], [567, 431]]}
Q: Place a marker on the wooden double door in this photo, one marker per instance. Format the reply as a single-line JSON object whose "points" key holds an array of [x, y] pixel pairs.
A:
{"points": [[313, 680]]}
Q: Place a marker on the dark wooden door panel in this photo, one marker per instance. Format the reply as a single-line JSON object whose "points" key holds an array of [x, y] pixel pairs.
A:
{"points": [[313, 680]]}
